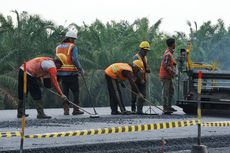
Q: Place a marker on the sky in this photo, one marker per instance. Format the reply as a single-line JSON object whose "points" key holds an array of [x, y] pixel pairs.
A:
{"points": [[175, 13]]}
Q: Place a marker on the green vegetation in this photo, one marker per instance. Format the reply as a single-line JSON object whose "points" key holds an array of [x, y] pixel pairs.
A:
{"points": [[100, 45]]}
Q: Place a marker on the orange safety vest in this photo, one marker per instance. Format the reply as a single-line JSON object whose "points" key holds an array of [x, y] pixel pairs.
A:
{"points": [[66, 50], [145, 64], [115, 70], [34, 67], [163, 73]]}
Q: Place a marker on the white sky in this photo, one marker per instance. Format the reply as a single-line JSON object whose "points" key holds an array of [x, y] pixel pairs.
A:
{"points": [[175, 13]]}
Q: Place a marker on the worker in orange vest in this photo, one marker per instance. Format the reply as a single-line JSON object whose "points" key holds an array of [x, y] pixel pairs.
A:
{"points": [[67, 51], [116, 73], [167, 73], [141, 80], [37, 69]]}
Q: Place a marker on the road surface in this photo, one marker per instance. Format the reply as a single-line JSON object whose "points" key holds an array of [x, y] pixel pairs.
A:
{"points": [[175, 138]]}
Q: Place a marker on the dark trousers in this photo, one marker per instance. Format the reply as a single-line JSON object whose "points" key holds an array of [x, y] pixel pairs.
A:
{"points": [[115, 95], [71, 83], [33, 86], [167, 93], [139, 101]]}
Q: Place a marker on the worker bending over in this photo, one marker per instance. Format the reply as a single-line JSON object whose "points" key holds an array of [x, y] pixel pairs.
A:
{"points": [[115, 74], [37, 69]]}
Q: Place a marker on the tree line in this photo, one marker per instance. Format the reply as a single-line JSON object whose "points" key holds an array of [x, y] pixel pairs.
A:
{"points": [[100, 44]]}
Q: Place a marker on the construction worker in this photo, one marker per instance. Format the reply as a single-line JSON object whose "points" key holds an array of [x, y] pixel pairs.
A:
{"points": [[167, 73], [141, 80], [115, 74], [37, 69], [67, 51]]}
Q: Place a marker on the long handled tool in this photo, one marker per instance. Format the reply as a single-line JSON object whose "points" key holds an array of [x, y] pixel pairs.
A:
{"points": [[95, 112], [90, 114], [143, 98]]}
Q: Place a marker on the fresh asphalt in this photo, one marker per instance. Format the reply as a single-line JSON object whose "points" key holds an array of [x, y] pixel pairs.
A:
{"points": [[216, 138]]}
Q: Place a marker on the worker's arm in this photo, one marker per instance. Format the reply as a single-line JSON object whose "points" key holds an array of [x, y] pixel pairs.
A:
{"points": [[53, 77], [130, 77], [75, 58], [139, 76], [167, 65], [49, 66]]}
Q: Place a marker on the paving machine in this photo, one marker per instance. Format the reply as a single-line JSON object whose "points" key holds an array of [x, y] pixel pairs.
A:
{"points": [[215, 96]]}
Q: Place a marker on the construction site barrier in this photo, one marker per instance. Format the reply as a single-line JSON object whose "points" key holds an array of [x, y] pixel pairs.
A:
{"points": [[10, 134], [120, 129], [217, 124]]}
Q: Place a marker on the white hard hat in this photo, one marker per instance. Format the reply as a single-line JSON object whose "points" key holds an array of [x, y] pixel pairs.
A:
{"points": [[71, 34]]}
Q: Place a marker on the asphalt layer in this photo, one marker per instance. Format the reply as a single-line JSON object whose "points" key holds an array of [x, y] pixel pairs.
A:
{"points": [[177, 140], [181, 145]]}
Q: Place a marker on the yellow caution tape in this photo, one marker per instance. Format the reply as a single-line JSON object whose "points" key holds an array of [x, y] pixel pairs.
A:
{"points": [[120, 129], [10, 134], [216, 124]]}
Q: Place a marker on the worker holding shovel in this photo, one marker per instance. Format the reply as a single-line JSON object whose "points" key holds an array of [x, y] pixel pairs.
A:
{"points": [[116, 73], [67, 52], [37, 69]]}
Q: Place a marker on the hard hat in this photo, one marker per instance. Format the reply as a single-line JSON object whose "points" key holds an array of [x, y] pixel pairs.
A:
{"points": [[145, 45], [62, 57], [139, 64], [71, 34]]}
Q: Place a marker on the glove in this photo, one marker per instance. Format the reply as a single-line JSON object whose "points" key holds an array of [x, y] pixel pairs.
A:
{"points": [[64, 98]]}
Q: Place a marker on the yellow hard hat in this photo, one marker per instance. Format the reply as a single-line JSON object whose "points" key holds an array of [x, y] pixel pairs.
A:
{"points": [[62, 57], [145, 45], [139, 64]]}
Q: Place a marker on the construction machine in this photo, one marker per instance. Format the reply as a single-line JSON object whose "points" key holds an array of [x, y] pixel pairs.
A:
{"points": [[215, 96]]}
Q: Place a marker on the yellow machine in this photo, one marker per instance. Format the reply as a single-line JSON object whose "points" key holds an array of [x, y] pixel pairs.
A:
{"points": [[191, 65], [215, 97]]}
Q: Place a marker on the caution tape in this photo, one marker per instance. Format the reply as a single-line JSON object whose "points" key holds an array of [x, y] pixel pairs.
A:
{"points": [[120, 129], [216, 124], [10, 134]]}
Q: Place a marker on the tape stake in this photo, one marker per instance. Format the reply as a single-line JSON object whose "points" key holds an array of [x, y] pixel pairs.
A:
{"points": [[199, 82]]}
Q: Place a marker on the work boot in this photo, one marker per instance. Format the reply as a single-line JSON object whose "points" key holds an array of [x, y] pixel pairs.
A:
{"points": [[167, 112], [20, 109], [40, 110], [126, 112], [172, 109], [116, 113], [76, 110], [66, 107], [133, 106], [133, 112], [20, 115], [140, 105]]}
